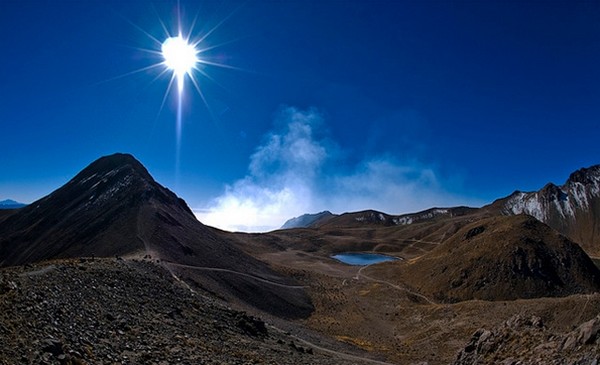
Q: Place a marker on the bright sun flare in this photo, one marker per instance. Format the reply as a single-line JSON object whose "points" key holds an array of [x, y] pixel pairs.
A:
{"points": [[180, 56]]}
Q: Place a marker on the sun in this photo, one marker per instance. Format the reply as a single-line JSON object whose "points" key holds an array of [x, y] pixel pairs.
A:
{"points": [[185, 57], [180, 57]]}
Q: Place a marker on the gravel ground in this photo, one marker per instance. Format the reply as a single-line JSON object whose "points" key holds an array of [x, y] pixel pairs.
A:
{"points": [[113, 311]]}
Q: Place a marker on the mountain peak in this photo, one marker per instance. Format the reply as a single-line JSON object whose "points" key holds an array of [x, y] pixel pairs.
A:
{"points": [[96, 208], [585, 175], [10, 204], [571, 208], [111, 165]]}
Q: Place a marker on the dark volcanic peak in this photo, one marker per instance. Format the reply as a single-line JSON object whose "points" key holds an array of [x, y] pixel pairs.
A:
{"points": [[504, 258], [115, 208], [119, 176], [573, 208], [94, 213], [111, 165]]}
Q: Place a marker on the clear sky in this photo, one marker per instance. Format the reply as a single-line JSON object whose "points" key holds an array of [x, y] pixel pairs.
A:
{"points": [[341, 105]]}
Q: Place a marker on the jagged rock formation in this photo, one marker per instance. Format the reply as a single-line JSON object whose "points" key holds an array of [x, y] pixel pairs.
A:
{"points": [[503, 258], [572, 208], [115, 208], [525, 340]]}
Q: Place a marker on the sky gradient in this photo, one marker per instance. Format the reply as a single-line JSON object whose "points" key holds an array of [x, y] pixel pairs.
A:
{"points": [[390, 105]]}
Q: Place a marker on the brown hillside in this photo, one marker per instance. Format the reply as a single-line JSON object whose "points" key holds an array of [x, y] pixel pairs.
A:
{"points": [[503, 258]]}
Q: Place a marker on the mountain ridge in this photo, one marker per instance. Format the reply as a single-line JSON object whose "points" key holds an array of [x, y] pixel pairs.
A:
{"points": [[573, 208]]}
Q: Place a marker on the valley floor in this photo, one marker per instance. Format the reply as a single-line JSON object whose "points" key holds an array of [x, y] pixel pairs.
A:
{"points": [[98, 311], [367, 307]]}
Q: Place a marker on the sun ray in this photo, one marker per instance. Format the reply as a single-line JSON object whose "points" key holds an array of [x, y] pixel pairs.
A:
{"points": [[197, 87], [164, 99], [162, 23], [221, 65], [153, 66], [205, 74], [202, 50], [141, 30], [192, 26], [220, 23]]}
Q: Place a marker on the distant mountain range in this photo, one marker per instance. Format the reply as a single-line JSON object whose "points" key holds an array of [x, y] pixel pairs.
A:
{"points": [[10, 204], [573, 209], [373, 217]]}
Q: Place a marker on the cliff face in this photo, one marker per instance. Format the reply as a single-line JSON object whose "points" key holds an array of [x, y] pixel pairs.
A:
{"points": [[573, 208]]}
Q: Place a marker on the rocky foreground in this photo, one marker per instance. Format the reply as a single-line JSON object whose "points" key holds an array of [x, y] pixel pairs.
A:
{"points": [[524, 340], [113, 311]]}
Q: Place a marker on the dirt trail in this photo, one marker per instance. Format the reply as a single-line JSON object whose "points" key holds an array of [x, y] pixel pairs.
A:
{"points": [[338, 354], [360, 274], [216, 269], [41, 271]]}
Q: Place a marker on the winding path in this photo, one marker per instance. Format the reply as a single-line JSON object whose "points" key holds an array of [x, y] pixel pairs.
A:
{"points": [[359, 273], [341, 355], [217, 269]]}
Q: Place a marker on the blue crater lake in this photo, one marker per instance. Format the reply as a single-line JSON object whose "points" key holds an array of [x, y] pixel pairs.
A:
{"points": [[361, 259]]}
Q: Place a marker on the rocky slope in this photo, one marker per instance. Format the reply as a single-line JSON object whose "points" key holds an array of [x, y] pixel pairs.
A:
{"points": [[572, 208], [113, 311], [526, 340], [115, 208], [503, 258]]}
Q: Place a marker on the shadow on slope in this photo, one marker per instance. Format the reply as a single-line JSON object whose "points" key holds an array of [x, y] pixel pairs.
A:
{"points": [[502, 258]]}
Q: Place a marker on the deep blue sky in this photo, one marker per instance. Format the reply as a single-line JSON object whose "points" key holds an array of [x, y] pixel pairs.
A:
{"points": [[339, 105]]}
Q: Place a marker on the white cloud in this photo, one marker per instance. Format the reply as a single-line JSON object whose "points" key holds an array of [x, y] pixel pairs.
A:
{"points": [[291, 174], [281, 175], [390, 186]]}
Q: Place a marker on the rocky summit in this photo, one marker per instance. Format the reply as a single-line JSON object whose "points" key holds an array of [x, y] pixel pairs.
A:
{"points": [[572, 208]]}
